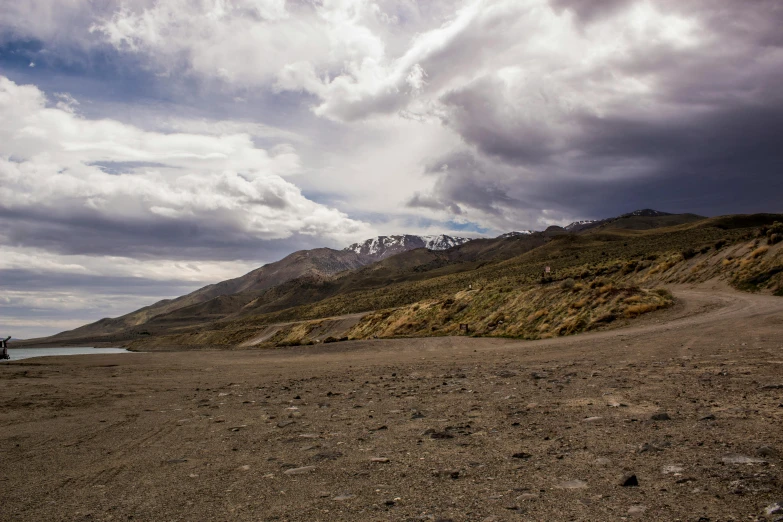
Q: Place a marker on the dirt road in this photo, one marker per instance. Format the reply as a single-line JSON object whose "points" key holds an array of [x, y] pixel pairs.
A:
{"points": [[689, 401]]}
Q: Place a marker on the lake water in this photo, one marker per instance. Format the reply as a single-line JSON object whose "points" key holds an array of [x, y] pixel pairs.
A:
{"points": [[25, 353]]}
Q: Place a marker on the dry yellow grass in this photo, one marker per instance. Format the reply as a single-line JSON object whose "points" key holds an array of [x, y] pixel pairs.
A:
{"points": [[639, 309], [579, 304], [537, 315]]}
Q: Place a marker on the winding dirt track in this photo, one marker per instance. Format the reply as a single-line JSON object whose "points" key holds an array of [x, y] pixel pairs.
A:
{"points": [[459, 428]]}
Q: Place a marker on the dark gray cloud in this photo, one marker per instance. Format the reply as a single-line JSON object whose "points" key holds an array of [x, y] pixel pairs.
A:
{"points": [[702, 136], [588, 11], [23, 280], [72, 234]]}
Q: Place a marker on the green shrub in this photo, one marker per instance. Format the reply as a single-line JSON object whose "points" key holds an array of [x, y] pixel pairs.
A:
{"points": [[688, 253], [568, 284]]}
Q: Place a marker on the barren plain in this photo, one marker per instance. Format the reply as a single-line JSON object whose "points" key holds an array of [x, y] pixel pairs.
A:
{"points": [[677, 417]]}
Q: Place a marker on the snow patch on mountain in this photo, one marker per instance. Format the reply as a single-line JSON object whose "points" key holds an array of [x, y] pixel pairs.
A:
{"points": [[515, 233], [384, 246], [443, 242], [578, 224]]}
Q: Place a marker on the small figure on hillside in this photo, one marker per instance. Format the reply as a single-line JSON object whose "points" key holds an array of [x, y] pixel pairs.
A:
{"points": [[4, 348]]}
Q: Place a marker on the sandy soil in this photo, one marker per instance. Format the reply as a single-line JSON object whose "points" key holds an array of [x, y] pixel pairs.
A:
{"points": [[418, 429]]}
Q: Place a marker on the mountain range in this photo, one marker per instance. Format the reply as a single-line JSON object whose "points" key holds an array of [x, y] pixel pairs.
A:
{"points": [[379, 269]]}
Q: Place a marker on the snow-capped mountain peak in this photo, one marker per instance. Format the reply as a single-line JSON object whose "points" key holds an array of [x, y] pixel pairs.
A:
{"points": [[515, 233], [579, 224], [443, 242], [382, 247]]}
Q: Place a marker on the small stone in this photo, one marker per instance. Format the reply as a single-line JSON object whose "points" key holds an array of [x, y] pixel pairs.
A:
{"points": [[379, 459], [774, 509], [327, 455], [661, 416], [572, 484], [602, 461], [521, 455], [629, 480], [441, 435], [636, 511], [284, 423], [299, 471], [538, 375], [742, 459], [246, 467], [667, 470], [417, 415], [766, 451], [525, 497], [708, 417], [344, 496], [591, 419]]}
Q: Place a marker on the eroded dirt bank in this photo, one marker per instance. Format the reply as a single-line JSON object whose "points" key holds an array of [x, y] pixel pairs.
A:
{"points": [[413, 429]]}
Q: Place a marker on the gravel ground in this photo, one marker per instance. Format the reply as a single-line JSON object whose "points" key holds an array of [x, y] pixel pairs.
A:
{"points": [[678, 417]]}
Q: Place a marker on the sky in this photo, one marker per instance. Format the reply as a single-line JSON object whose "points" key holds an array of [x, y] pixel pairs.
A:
{"points": [[149, 147]]}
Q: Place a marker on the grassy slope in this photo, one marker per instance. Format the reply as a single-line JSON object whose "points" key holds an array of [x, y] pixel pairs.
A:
{"points": [[613, 271]]}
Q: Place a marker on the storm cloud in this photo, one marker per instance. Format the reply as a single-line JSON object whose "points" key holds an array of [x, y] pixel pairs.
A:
{"points": [[222, 135]]}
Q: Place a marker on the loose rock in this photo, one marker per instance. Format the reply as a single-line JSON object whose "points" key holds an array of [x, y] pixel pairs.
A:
{"points": [[742, 459], [299, 471], [344, 496], [572, 484]]}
